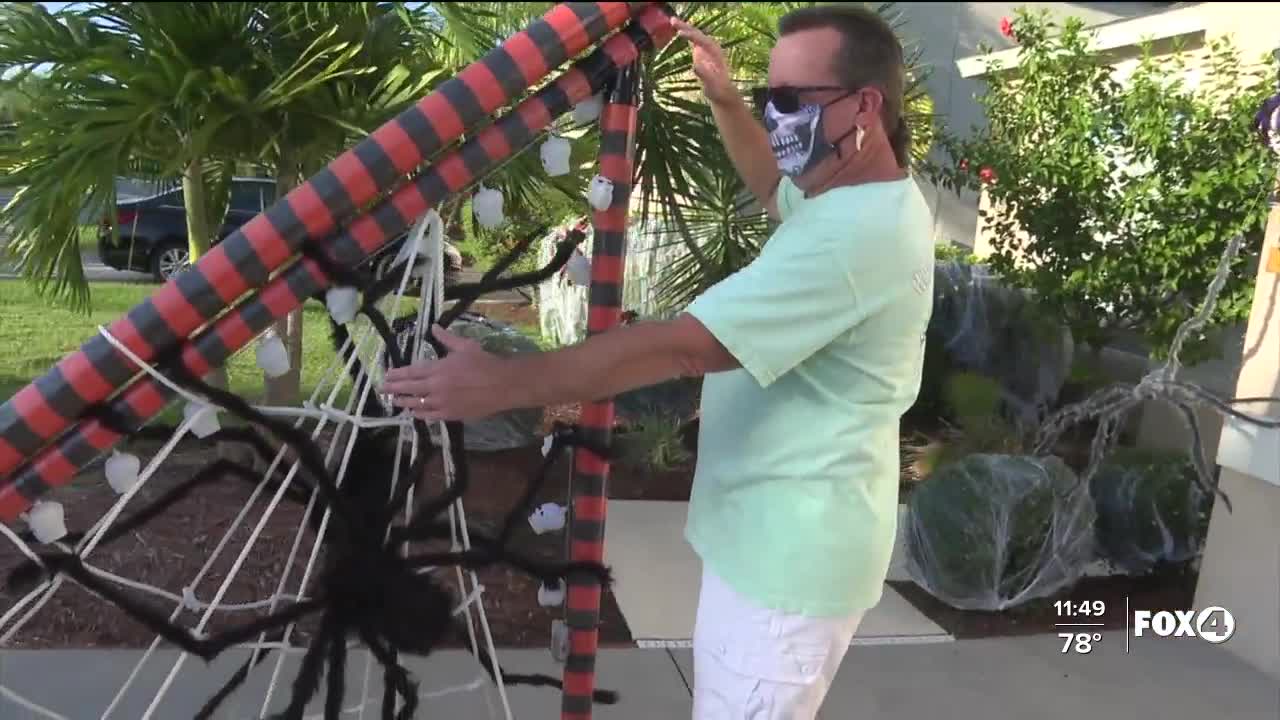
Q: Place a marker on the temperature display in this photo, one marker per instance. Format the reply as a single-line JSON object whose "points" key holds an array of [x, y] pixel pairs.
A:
{"points": [[1079, 623], [1079, 642]]}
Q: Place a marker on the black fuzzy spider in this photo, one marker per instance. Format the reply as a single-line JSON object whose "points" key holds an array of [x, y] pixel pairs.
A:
{"points": [[368, 587]]}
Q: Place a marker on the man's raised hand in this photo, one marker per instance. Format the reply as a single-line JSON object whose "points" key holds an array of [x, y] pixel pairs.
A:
{"points": [[708, 63]]}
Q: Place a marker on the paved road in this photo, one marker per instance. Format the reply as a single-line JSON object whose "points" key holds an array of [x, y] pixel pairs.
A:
{"points": [[95, 271]]}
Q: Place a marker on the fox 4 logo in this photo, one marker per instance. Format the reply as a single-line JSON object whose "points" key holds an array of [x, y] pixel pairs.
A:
{"points": [[1212, 624]]}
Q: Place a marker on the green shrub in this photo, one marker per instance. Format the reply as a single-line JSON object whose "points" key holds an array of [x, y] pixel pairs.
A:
{"points": [[654, 442], [972, 398], [972, 402], [1114, 201], [990, 531], [948, 252], [1151, 511]]}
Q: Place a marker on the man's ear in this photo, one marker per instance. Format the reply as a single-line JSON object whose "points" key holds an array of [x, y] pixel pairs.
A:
{"points": [[870, 103]]}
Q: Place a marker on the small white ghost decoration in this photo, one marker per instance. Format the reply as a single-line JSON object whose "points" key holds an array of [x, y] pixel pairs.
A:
{"points": [[578, 270], [272, 357], [342, 302], [48, 521], [548, 517], [487, 205], [588, 110], [207, 424], [418, 246], [600, 193], [559, 640], [552, 596], [547, 442], [555, 156], [122, 471]]}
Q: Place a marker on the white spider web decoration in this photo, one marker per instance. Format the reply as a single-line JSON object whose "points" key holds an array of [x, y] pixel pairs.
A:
{"points": [[155, 685]]}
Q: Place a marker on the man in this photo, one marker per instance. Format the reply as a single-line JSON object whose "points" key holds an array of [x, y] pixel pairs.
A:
{"points": [[810, 355]]}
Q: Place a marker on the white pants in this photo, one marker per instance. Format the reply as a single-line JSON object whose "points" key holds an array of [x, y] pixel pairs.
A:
{"points": [[752, 663]]}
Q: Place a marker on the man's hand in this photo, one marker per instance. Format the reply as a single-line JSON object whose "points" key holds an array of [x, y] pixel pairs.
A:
{"points": [[470, 383], [466, 384], [743, 135], [708, 64]]}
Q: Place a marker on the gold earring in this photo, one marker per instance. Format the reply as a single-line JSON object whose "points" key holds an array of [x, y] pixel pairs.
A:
{"points": [[857, 139]]}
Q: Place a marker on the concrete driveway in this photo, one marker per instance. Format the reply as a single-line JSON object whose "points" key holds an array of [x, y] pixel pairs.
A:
{"points": [[94, 271], [1015, 678]]}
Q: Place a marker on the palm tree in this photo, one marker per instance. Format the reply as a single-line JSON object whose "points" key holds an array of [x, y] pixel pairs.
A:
{"points": [[384, 74], [190, 90], [153, 89], [686, 188], [195, 90]]}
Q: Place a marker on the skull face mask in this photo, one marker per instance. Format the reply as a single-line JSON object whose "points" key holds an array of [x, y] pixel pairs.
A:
{"points": [[792, 135], [797, 137]]}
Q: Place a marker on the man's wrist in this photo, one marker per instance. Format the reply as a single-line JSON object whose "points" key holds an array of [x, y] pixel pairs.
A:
{"points": [[730, 103], [515, 376]]}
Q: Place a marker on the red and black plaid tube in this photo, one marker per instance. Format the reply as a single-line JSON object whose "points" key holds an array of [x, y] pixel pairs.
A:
{"points": [[591, 473], [243, 261], [146, 397]]}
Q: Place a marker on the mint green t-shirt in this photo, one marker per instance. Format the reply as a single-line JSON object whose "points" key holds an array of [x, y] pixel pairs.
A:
{"points": [[795, 496]]}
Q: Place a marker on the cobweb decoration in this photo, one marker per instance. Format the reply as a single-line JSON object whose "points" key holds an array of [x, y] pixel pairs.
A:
{"points": [[366, 561], [1110, 405]]}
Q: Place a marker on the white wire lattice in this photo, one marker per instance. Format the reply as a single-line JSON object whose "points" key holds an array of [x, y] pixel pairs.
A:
{"points": [[160, 681]]}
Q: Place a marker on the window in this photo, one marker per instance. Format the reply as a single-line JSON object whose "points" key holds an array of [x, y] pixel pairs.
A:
{"points": [[248, 197]]}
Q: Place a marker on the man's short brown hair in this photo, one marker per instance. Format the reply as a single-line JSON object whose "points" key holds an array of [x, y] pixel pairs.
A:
{"points": [[870, 55]]}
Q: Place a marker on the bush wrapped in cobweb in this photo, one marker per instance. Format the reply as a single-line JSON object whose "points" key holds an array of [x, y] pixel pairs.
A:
{"points": [[990, 532], [1151, 511]]}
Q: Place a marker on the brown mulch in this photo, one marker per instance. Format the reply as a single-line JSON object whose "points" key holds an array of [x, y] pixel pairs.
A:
{"points": [[170, 549], [515, 314], [497, 479], [1170, 590], [167, 553]]}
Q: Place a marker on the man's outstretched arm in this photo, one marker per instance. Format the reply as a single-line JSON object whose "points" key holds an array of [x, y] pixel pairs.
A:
{"points": [[745, 139], [615, 362], [470, 383]]}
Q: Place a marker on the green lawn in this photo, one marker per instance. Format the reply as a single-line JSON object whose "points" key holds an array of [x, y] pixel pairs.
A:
{"points": [[89, 239], [35, 336]]}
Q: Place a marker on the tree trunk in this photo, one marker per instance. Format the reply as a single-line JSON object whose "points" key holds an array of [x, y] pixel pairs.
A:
{"points": [[287, 389], [193, 197], [199, 236]]}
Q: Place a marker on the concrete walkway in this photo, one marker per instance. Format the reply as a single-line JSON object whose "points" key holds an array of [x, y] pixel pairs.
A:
{"points": [[993, 679], [659, 599]]}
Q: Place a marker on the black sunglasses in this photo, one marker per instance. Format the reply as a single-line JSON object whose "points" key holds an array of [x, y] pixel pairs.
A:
{"points": [[786, 98]]}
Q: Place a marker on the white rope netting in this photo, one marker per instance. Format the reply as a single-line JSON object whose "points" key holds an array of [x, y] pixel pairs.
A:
{"points": [[165, 683]]}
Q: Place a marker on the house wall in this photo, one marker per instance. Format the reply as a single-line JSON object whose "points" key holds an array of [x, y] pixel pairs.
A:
{"points": [[946, 32], [1240, 569]]}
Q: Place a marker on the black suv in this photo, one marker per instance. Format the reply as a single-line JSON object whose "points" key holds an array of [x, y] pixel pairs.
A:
{"points": [[153, 231]]}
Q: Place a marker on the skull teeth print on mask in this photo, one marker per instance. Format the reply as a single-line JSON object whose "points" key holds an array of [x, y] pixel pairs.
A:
{"points": [[792, 137]]}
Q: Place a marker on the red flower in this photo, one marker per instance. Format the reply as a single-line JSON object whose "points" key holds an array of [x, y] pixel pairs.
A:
{"points": [[987, 175], [1006, 28], [964, 165]]}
